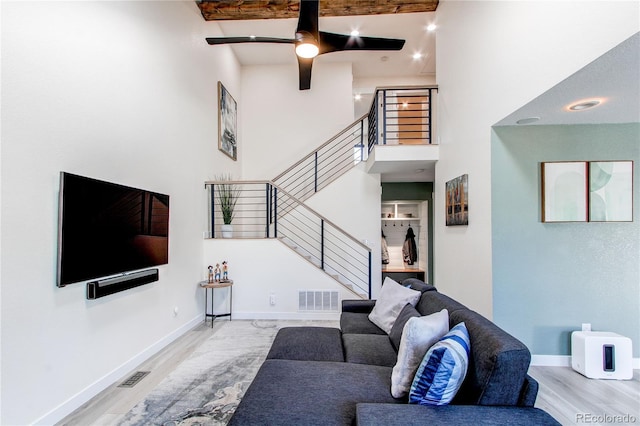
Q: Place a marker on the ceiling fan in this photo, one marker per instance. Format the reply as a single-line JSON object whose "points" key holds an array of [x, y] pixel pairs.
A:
{"points": [[310, 42]]}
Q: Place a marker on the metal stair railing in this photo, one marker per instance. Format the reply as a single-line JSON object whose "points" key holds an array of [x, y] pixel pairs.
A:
{"points": [[259, 213], [328, 162]]}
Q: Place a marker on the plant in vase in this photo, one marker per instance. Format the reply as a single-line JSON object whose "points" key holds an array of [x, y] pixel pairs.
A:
{"points": [[227, 194]]}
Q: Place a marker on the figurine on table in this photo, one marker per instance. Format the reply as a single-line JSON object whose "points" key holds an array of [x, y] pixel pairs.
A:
{"points": [[225, 275], [217, 273], [210, 276]]}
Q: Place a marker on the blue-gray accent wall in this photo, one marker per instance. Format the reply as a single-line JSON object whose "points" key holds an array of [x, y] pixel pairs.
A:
{"points": [[549, 278]]}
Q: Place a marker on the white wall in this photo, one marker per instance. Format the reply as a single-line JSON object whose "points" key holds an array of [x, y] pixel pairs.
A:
{"points": [[264, 267], [281, 124], [493, 57], [120, 91]]}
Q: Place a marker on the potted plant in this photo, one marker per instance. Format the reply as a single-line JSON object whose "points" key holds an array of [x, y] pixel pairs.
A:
{"points": [[227, 194]]}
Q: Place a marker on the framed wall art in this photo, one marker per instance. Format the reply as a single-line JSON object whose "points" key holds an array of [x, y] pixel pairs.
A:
{"points": [[611, 191], [564, 191], [457, 202], [227, 123], [587, 191]]}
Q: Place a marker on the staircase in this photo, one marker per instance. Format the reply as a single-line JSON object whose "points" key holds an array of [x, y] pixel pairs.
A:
{"points": [[277, 209]]}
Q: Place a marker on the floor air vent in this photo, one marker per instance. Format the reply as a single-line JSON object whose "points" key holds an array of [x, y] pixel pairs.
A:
{"points": [[318, 300], [134, 379]]}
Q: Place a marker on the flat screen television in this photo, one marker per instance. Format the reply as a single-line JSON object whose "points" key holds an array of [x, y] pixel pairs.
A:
{"points": [[107, 229]]}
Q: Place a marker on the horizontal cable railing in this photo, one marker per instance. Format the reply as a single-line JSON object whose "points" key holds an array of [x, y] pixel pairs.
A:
{"points": [[322, 166], [402, 116], [264, 210]]}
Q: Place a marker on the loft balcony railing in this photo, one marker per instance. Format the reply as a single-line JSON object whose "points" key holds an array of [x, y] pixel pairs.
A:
{"points": [[264, 210], [402, 116]]}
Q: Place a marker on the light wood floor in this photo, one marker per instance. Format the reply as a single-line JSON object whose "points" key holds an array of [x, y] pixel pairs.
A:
{"points": [[573, 399], [569, 397]]}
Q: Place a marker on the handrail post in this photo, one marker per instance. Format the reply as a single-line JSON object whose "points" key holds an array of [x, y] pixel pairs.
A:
{"points": [[430, 118], [322, 244], [362, 139], [315, 172], [384, 117], [268, 208], [213, 211], [369, 275], [275, 212]]}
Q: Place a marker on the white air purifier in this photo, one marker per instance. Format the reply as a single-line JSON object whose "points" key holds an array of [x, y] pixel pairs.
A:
{"points": [[601, 355]]}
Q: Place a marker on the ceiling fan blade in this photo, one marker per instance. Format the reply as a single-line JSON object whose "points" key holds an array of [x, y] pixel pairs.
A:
{"points": [[304, 67], [308, 17], [330, 42], [234, 40]]}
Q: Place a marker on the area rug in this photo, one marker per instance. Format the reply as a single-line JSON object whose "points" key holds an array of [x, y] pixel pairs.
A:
{"points": [[206, 388]]}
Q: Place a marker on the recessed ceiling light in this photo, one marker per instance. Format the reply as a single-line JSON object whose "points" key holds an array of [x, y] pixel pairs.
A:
{"points": [[252, 37], [528, 120], [417, 56], [431, 27], [355, 33], [357, 96], [384, 58], [581, 106], [419, 170]]}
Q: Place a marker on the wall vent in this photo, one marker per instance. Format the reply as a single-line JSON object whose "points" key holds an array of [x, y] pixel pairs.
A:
{"points": [[318, 300], [134, 379]]}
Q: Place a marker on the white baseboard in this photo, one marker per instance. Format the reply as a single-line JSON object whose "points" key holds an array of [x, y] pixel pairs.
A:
{"points": [[76, 401], [551, 360], [302, 316], [564, 361]]}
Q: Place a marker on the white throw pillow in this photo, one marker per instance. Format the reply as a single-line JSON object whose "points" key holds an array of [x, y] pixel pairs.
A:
{"points": [[418, 335], [393, 297]]}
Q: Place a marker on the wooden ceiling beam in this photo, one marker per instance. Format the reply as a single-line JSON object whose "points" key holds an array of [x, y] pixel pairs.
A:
{"points": [[226, 10]]}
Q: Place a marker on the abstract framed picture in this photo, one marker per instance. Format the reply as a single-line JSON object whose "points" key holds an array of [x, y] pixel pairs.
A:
{"points": [[227, 123], [611, 191], [457, 202], [564, 191]]}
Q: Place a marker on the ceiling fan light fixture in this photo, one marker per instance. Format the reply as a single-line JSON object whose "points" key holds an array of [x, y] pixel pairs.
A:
{"points": [[306, 45]]}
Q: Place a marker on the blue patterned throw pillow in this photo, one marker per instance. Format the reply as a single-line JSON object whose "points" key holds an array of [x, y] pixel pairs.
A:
{"points": [[442, 369]]}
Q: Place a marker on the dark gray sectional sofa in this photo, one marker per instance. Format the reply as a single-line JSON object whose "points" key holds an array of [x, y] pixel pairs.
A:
{"points": [[330, 376]]}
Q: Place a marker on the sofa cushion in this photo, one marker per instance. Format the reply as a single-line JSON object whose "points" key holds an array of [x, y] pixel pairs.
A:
{"points": [[307, 344], [419, 335], [442, 370], [372, 349], [498, 364], [396, 331], [311, 393], [358, 323], [358, 305], [392, 299], [418, 415], [433, 301]]}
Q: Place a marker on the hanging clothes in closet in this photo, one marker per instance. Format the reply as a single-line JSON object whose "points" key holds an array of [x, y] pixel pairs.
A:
{"points": [[409, 249], [385, 249]]}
